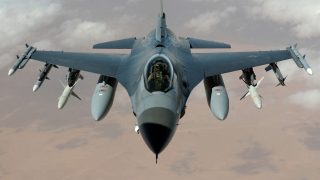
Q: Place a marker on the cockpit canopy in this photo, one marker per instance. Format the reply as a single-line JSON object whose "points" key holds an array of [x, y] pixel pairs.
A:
{"points": [[158, 74]]}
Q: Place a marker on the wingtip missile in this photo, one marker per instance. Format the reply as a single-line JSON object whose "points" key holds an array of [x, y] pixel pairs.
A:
{"points": [[11, 71], [309, 71], [300, 60], [35, 88], [22, 60]]}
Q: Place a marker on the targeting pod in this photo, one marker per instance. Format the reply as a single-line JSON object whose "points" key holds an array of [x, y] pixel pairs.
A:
{"points": [[22, 60], [299, 59]]}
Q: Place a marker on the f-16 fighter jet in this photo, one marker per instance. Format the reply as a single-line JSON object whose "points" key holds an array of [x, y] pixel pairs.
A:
{"points": [[160, 73]]}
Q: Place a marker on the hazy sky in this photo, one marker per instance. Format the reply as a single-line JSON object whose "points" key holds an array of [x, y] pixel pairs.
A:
{"points": [[249, 145]]}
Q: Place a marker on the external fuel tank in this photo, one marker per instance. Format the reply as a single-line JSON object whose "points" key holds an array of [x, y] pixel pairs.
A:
{"points": [[103, 96], [217, 96]]}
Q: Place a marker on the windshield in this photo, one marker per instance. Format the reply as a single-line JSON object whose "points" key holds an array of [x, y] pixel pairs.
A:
{"points": [[158, 75]]}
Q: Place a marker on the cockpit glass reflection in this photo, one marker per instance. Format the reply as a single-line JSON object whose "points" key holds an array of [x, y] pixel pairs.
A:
{"points": [[158, 76]]}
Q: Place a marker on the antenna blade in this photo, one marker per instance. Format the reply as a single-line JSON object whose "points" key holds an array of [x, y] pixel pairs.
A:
{"points": [[161, 5]]}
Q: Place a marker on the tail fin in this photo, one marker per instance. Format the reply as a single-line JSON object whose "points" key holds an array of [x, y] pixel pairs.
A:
{"points": [[161, 24], [259, 82], [282, 82], [245, 95]]}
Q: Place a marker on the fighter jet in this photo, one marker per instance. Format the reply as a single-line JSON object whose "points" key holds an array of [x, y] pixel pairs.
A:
{"points": [[161, 71]]}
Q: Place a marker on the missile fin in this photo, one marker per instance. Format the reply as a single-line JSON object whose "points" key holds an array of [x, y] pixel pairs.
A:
{"points": [[259, 82], [75, 95], [245, 95]]}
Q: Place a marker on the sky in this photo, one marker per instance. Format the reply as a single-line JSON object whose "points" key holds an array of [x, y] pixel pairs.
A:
{"points": [[281, 141]]}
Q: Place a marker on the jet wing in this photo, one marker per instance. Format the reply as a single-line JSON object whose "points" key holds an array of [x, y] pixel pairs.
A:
{"points": [[205, 44], [104, 64], [219, 63], [117, 44]]}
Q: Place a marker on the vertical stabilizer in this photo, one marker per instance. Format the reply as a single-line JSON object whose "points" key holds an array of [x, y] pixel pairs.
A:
{"points": [[161, 24]]}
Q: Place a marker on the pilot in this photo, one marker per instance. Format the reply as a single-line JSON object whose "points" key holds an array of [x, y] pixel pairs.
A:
{"points": [[158, 77]]}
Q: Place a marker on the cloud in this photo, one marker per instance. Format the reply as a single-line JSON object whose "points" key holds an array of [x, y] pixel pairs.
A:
{"points": [[20, 20], [302, 16], [309, 99], [206, 21], [77, 32], [312, 141]]}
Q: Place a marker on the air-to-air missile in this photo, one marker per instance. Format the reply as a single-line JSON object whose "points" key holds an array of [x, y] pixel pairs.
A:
{"points": [[277, 72], [22, 60], [299, 59], [103, 96], [217, 96], [73, 79], [248, 76], [43, 75], [255, 96]]}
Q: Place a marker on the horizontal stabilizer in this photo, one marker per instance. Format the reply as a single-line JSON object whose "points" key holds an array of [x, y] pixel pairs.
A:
{"points": [[118, 44], [204, 44]]}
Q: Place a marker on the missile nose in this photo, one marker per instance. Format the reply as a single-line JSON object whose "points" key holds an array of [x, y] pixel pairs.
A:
{"points": [[35, 88], [259, 106], [309, 71], [258, 103], [61, 103], [11, 71], [60, 106], [157, 126]]}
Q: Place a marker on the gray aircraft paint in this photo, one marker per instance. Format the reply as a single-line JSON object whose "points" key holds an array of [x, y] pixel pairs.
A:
{"points": [[102, 98]]}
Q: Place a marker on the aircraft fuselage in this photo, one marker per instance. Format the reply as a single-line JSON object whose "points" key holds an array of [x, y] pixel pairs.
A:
{"points": [[160, 96]]}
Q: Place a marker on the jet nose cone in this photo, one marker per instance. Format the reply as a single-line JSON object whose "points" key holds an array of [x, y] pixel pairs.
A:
{"points": [[157, 126], [156, 136]]}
